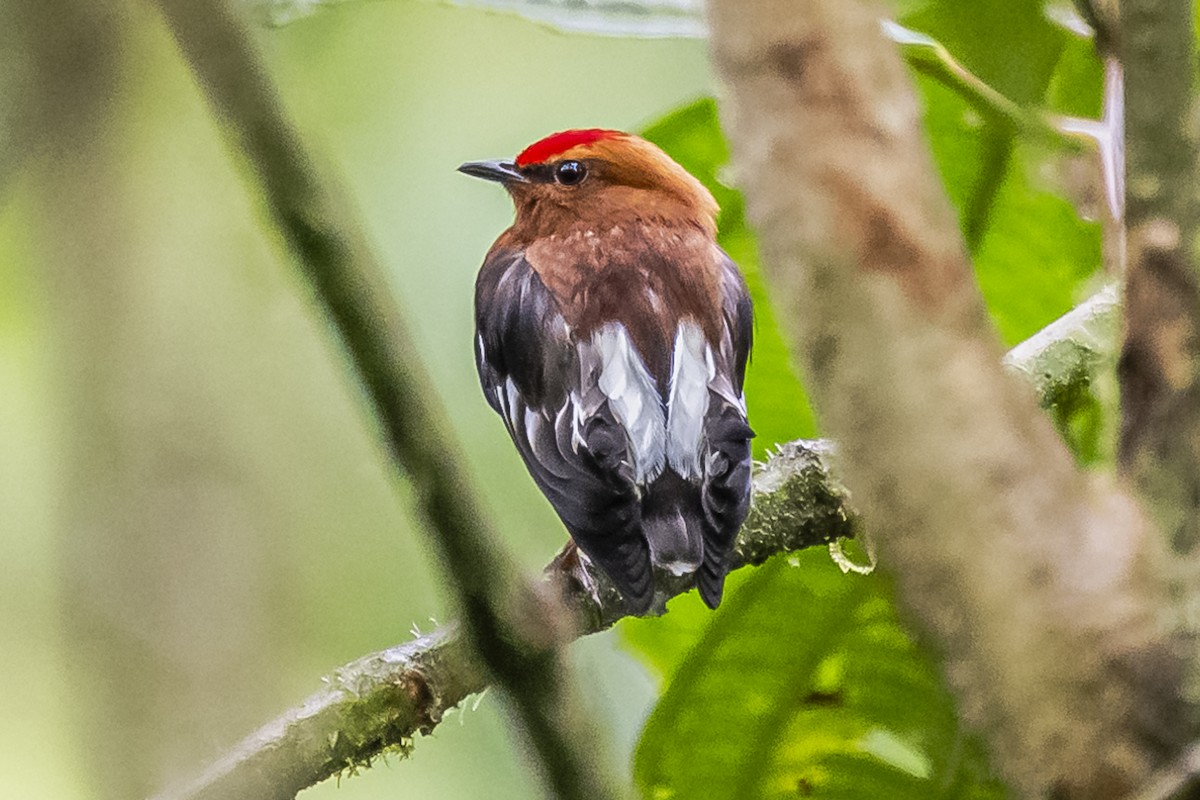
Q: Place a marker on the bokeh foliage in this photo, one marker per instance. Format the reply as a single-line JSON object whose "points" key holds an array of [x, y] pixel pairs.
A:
{"points": [[805, 683], [196, 519]]}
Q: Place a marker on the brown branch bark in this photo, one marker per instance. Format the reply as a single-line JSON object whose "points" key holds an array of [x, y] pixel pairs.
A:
{"points": [[1042, 589], [1101, 15], [515, 629]]}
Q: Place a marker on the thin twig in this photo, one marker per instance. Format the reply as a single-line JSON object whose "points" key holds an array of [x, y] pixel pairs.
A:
{"points": [[382, 701], [930, 57], [1006, 120], [505, 617]]}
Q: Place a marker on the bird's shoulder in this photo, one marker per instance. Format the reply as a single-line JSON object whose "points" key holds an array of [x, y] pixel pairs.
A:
{"points": [[521, 335]]}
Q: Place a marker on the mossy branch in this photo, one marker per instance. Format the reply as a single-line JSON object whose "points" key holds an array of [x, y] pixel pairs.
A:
{"points": [[381, 702]]}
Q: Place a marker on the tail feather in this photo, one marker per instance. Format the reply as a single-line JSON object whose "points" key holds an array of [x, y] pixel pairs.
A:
{"points": [[671, 524]]}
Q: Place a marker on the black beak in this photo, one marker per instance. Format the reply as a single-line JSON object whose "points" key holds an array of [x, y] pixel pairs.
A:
{"points": [[499, 171]]}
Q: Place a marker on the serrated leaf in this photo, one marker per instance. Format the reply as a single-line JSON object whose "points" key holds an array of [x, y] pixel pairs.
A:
{"points": [[805, 684]]}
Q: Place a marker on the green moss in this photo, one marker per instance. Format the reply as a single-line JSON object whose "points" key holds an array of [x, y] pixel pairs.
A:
{"points": [[797, 504]]}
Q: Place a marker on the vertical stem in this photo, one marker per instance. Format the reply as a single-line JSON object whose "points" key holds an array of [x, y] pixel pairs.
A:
{"points": [[1159, 369], [514, 628]]}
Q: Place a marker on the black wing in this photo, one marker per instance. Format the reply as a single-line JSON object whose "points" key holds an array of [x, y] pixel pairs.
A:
{"points": [[576, 452], [725, 491]]}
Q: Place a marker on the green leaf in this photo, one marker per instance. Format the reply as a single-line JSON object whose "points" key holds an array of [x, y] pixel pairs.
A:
{"points": [[662, 643], [805, 684], [1077, 87], [777, 405], [1012, 46], [1033, 254], [1037, 255]]}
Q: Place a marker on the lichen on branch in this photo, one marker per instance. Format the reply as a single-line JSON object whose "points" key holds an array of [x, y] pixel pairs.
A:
{"points": [[381, 702]]}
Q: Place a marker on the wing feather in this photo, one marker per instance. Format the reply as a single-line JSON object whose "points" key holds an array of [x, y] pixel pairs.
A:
{"points": [[560, 421], [725, 491]]}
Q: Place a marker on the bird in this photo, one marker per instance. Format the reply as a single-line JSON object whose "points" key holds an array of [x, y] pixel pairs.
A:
{"points": [[612, 335]]}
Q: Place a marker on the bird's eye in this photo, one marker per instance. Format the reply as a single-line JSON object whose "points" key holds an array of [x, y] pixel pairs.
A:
{"points": [[569, 173]]}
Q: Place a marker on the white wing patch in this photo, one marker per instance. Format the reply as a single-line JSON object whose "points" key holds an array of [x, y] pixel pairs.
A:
{"points": [[657, 436], [692, 370], [510, 400], [633, 399]]}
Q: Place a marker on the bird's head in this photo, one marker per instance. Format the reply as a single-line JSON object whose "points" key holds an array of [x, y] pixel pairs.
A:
{"points": [[593, 176]]}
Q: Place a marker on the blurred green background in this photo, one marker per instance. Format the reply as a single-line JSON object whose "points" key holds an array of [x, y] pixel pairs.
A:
{"points": [[196, 521]]}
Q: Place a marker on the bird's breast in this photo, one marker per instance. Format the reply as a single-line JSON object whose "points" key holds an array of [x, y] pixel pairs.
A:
{"points": [[646, 277]]}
